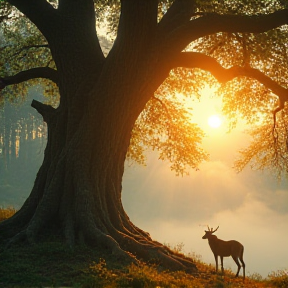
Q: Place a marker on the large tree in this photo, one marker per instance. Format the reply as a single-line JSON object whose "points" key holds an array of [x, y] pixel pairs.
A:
{"points": [[117, 104]]}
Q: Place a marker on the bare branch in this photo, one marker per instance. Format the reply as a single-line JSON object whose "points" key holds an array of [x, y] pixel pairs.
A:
{"points": [[214, 23], [40, 72]]}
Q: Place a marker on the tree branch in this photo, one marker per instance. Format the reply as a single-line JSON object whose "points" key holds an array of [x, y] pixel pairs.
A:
{"points": [[46, 111], [40, 12], [83, 13], [179, 13], [75, 10], [213, 23], [59, 28], [28, 47], [207, 63], [83, 5], [41, 72], [137, 22], [163, 105]]}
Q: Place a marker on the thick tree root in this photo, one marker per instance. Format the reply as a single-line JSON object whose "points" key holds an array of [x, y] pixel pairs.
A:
{"points": [[147, 251], [156, 253], [131, 250], [77, 207]]}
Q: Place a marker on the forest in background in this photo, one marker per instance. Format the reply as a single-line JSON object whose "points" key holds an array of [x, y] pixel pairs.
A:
{"points": [[22, 143]]}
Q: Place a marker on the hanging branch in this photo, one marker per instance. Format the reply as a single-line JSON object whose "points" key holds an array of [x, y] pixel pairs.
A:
{"points": [[40, 72]]}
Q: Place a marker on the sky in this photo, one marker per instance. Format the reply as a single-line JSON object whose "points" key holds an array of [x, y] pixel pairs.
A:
{"points": [[250, 207]]}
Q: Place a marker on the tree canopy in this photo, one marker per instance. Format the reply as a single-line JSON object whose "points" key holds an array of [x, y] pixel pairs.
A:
{"points": [[240, 62]]}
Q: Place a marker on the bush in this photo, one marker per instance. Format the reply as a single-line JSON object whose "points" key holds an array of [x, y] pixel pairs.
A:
{"points": [[6, 213], [279, 278]]}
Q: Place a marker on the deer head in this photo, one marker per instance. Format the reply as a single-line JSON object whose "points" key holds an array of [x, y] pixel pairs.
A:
{"points": [[209, 232]]}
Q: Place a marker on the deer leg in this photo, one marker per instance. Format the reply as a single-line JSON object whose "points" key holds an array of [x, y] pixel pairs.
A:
{"points": [[238, 264], [243, 265], [222, 267], [216, 260]]}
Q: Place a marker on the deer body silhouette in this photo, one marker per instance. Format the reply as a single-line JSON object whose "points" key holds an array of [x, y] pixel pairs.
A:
{"points": [[225, 249]]}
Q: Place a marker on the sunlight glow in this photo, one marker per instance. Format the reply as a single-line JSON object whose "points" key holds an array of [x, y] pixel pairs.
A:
{"points": [[214, 121]]}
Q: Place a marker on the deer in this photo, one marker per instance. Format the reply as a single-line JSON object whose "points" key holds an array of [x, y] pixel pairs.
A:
{"points": [[225, 249]]}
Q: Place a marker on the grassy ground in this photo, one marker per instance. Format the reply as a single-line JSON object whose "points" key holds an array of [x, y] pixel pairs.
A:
{"points": [[51, 264]]}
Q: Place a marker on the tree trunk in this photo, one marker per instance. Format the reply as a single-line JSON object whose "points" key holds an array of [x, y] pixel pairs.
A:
{"points": [[78, 187]]}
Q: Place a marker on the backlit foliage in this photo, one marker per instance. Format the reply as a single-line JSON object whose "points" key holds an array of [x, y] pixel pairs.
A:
{"points": [[246, 98], [6, 213], [269, 146], [279, 278], [164, 124], [22, 47]]}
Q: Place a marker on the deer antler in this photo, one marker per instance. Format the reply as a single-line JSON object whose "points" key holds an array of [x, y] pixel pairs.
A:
{"points": [[214, 230], [211, 229]]}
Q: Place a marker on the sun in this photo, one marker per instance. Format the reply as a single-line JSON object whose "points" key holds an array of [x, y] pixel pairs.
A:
{"points": [[214, 121]]}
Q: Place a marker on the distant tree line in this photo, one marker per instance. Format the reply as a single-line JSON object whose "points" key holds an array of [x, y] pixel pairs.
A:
{"points": [[17, 126], [23, 136]]}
